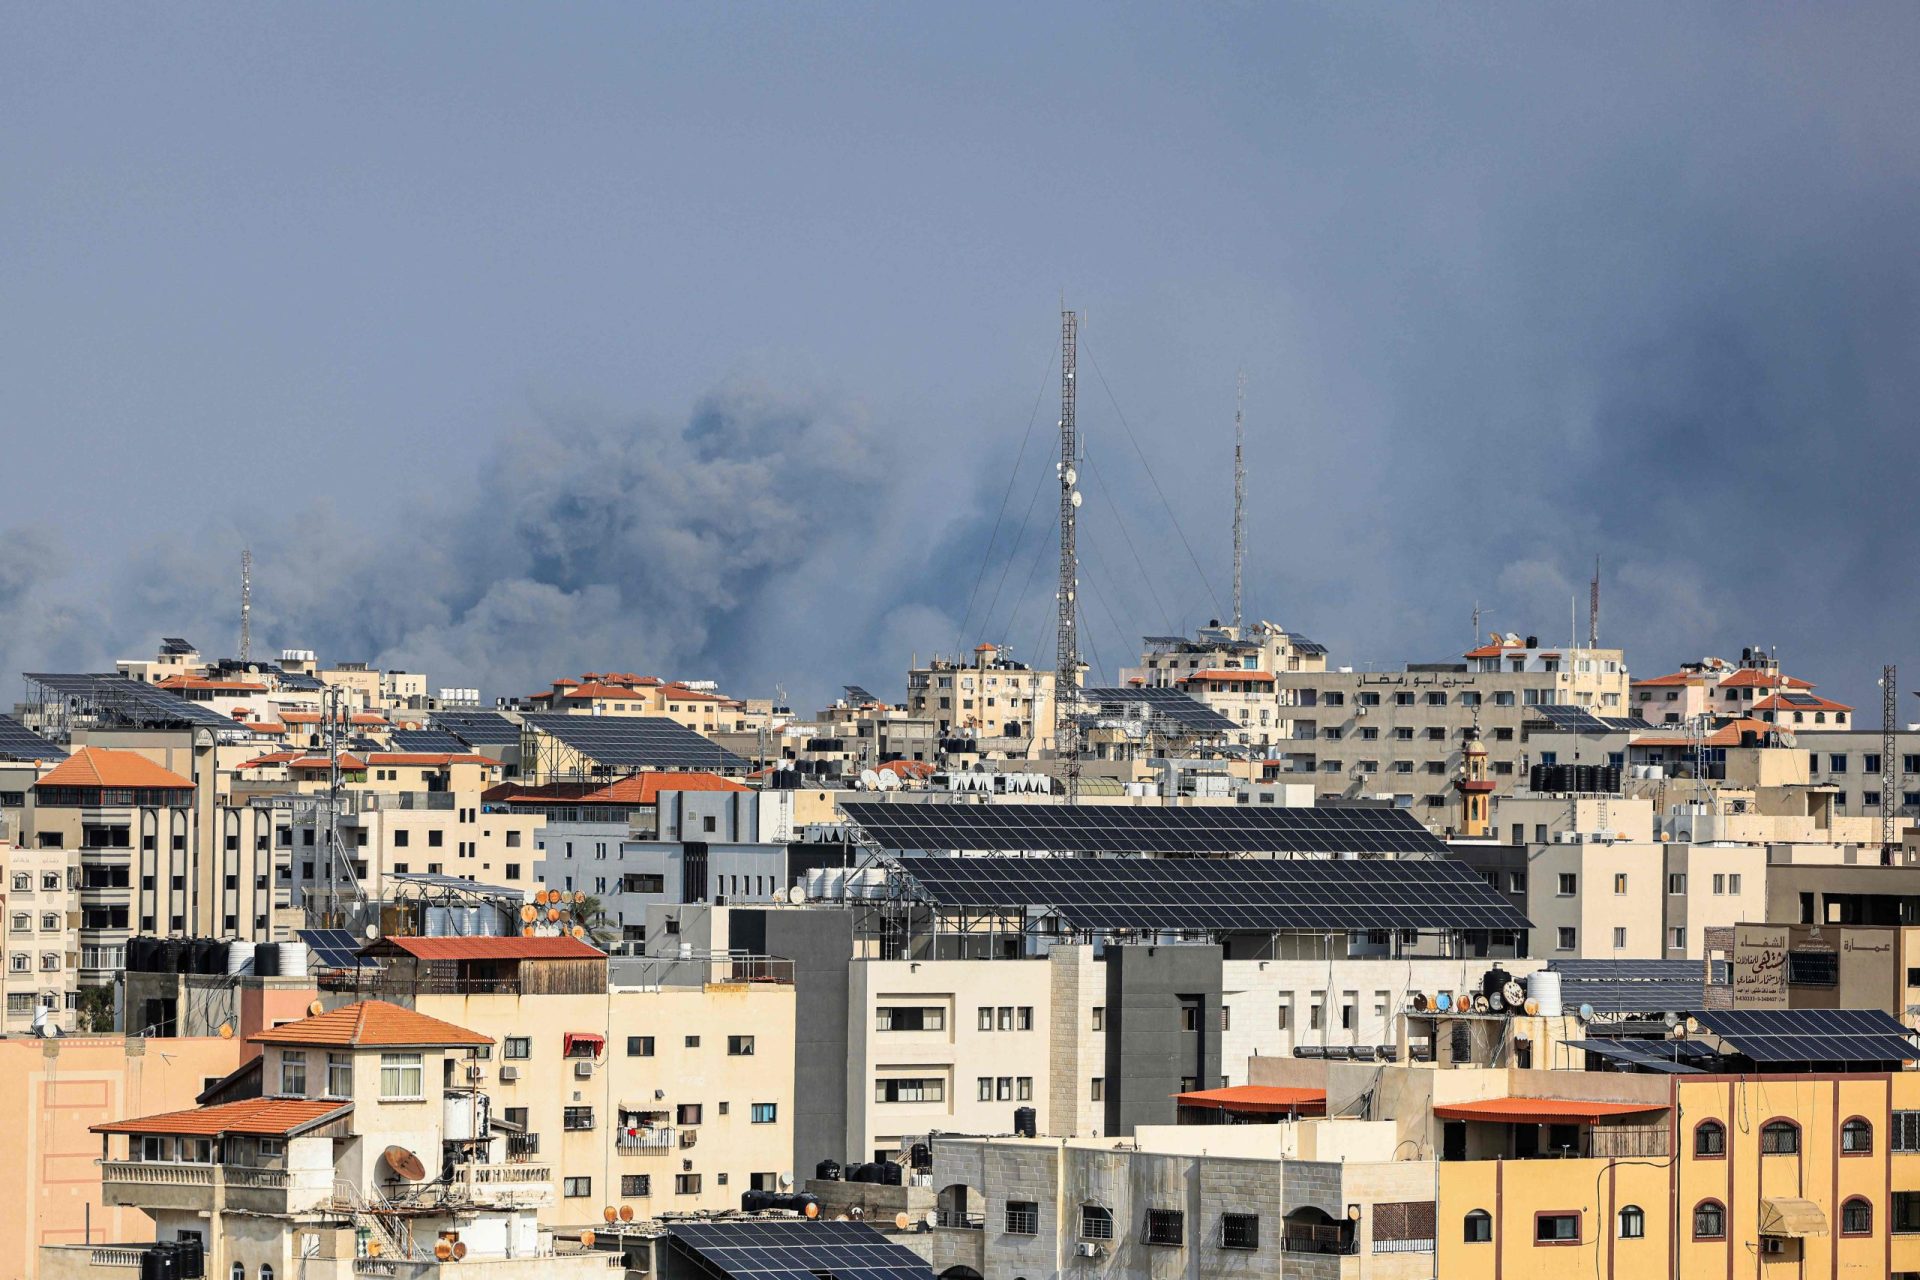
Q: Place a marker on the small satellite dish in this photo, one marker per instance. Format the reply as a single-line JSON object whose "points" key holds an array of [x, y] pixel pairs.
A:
{"points": [[587, 1238], [579, 931], [1672, 1020], [796, 895], [528, 914], [226, 1031], [901, 1221], [1419, 1002], [1497, 1002], [1693, 1026], [459, 1250], [1515, 993], [1480, 1004], [1532, 1007], [1586, 1013], [315, 1009], [373, 933], [931, 1220], [526, 931], [443, 1250], [869, 780], [404, 1163], [610, 1213], [626, 1213]]}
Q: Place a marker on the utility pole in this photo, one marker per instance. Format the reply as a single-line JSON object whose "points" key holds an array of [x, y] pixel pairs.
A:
{"points": [[1889, 761], [1239, 495], [1066, 663], [246, 603], [1593, 608]]}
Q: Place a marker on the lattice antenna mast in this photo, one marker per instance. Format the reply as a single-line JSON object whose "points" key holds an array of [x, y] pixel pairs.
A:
{"points": [[1239, 494], [341, 881], [1066, 665], [1889, 762], [1593, 607], [246, 604]]}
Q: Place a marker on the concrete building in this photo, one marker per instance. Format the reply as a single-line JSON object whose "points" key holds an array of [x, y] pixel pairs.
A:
{"points": [[40, 938], [994, 700]]}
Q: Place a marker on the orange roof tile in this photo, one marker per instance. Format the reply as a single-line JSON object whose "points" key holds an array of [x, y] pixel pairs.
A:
{"points": [[372, 1024], [1256, 1099], [99, 767], [906, 768], [1677, 677], [1485, 651], [636, 789], [1542, 1110], [476, 948], [677, 690], [1748, 678], [1774, 702], [267, 1117], [600, 690]]}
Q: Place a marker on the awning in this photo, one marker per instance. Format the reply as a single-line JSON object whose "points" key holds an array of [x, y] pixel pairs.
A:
{"points": [[1260, 1099], [1542, 1110], [1792, 1217], [572, 1038]]}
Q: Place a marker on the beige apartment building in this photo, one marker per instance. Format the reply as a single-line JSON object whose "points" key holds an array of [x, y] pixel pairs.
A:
{"points": [[40, 938], [1001, 703], [696, 704]]}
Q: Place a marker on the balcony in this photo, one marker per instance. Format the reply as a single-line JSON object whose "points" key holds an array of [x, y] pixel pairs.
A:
{"points": [[159, 1184], [506, 1186], [645, 1142], [80, 1261]]}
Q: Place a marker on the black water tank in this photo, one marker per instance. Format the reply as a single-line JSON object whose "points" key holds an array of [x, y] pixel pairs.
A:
{"points": [[754, 1201], [827, 1171], [168, 959], [191, 1259], [887, 1173], [1496, 979], [860, 1172], [266, 960], [920, 1156], [209, 956], [1026, 1121]]}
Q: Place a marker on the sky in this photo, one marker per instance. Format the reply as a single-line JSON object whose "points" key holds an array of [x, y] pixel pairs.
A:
{"points": [[717, 341]]}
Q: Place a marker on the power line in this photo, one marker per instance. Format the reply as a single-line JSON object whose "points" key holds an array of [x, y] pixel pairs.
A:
{"points": [[1013, 554], [986, 557], [1119, 521]]}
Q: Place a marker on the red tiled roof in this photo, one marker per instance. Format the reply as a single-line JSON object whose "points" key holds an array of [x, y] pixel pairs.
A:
{"points": [[1259, 1099], [636, 789], [1677, 677], [372, 1024], [1542, 1110], [266, 1117], [677, 690], [905, 768], [472, 948], [599, 690], [1774, 702], [1727, 735], [349, 762], [98, 767], [1485, 651], [1748, 678]]}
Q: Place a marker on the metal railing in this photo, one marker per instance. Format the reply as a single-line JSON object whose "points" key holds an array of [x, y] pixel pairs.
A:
{"points": [[1333, 1240], [501, 1175], [961, 1220], [645, 1142], [1403, 1246]]}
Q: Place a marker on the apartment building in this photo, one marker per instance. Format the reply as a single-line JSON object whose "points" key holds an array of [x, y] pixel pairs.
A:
{"points": [[40, 938], [695, 704], [998, 702]]}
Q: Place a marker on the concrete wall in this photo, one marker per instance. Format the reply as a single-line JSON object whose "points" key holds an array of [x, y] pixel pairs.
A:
{"points": [[1151, 1053]]}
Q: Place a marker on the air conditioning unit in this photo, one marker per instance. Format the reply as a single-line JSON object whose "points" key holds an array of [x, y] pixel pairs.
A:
{"points": [[1088, 1249], [509, 1074], [583, 1070], [475, 1072]]}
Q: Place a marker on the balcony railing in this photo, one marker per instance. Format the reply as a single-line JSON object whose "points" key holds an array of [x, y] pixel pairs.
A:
{"points": [[1403, 1246], [961, 1219], [1333, 1240], [262, 1179], [506, 1175], [645, 1142], [157, 1173], [105, 1255]]}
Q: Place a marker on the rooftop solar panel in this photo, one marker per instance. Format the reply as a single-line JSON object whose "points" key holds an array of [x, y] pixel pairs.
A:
{"points": [[1223, 894], [777, 1249], [857, 693], [1581, 720], [17, 742], [332, 948], [426, 740], [1198, 831], [1302, 645], [638, 742], [1181, 710], [130, 701], [1812, 1035], [478, 728]]}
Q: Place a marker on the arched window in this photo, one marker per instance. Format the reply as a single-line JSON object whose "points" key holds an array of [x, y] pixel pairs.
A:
{"points": [[1633, 1222], [1479, 1227], [1709, 1220], [239, 1271], [266, 1271], [1856, 1137], [1779, 1138], [1709, 1138], [1096, 1222], [1856, 1218]]}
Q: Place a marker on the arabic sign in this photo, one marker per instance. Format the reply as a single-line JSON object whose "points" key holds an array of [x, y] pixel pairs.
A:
{"points": [[1760, 968]]}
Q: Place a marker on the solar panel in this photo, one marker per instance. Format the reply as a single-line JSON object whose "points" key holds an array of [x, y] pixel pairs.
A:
{"points": [[638, 742], [175, 645], [1812, 1035], [1801, 700], [1580, 720], [1629, 970], [17, 742], [777, 1249], [1201, 831], [427, 740], [856, 693], [1229, 893], [130, 700], [478, 728], [332, 948], [1182, 710], [1311, 647], [1648, 1055]]}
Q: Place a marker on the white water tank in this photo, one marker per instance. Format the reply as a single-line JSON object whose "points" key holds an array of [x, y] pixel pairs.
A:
{"points": [[239, 957], [293, 959], [1544, 986]]}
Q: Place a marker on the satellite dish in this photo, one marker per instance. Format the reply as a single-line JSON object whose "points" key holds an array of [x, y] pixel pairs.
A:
{"points": [[1532, 1007], [526, 931], [931, 1220], [786, 1180], [1419, 1002], [587, 1238], [1693, 1026], [869, 780], [1672, 1020], [1516, 995], [459, 1250], [528, 914], [1786, 738], [610, 1213], [1076, 498], [443, 1250], [901, 1221], [579, 897], [315, 1009], [373, 933], [626, 1213], [796, 895], [1497, 1002], [1480, 1004], [404, 1163], [1586, 1013], [226, 1031], [579, 931]]}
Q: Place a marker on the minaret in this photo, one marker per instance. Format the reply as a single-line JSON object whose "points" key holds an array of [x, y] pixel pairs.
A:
{"points": [[1476, 790]]}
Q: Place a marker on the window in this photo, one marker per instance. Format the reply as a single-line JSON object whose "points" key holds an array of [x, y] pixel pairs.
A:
{"points": [[339, 1075], [1679, 942], [1006, 1017], [1003, 1088], [1100, 1016], [402, 1077], [639, 1046], [293, 1073], [910, 1018], [1023, 1020], [686, 1184], [1906, 1131], [576, 1119], [578, 1188], [635, 1184], [693, 1042], [1619, 938], [271, 1147], [1556, 1228], [1856, 1217], [1677, 884], [1619, 884], [1567, 884], [1856, 1137], [1098, 1090], [1906, 1213], [1240, 1231], [739, 1046], [1166, 1226], [1096, 1223], [1566, 938], [687, 1113], [1633, 1222], [922, 1089], [986, 1017], [517, 1047], [765, 1112], [1780, 1138], [1023, 1218], [1709, 1139], [986, 1088], [1709, 1220], [1813, 968], [1478, 1227]]}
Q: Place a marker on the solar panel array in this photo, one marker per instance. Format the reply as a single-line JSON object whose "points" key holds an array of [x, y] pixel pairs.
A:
{"points": [[332, 948], [1184, 710], [1812, 1035], [478, 728], [1581, 720], [1261, 894], [639, 742], [131, 700], [773, 1249], [427, 740], [856, 693], [1800, 699], [1670, 1057], [17, 742], [1312, 647], [1103, 828]]}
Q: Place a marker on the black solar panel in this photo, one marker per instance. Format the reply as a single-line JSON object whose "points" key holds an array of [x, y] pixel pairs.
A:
{"points": [[427, 740], [17, 742], [1800, 699], [1581, 720], [1635, 970], [332, 948], [1648, 1055], [478, 728], [638, 742], [1206, 830], [1812, 1035], [1311, 647], [174, 645], [856, 693], [130, 701], [1225, 893], [1181, 710], [777, 1249]]}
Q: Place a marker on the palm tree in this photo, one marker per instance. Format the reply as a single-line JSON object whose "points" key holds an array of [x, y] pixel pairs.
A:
{"points": [[592, 913]]}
